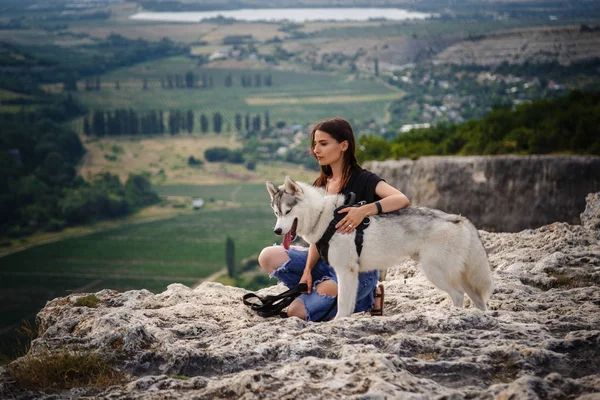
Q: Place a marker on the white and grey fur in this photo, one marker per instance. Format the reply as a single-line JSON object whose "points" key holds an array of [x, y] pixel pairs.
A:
{"points": [[447, 246]]}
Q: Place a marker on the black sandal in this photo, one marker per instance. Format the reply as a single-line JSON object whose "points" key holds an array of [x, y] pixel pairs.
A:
{"points": [[378, 311]]}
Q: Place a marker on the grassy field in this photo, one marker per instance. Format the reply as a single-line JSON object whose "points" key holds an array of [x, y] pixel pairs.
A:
{"points": [[149, 255], [244, 194], [294, 97], [125, 155]]}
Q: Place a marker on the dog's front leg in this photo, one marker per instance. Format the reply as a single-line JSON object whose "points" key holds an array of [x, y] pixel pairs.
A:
{"points": [[347, 287]]}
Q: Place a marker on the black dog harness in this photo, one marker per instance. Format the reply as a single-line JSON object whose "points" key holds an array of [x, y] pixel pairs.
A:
{"points": [[323, 243]]}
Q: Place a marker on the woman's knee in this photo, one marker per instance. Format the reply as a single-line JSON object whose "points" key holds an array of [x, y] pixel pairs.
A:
{"points": [[327, 287], [270, 258], [297, 309]]}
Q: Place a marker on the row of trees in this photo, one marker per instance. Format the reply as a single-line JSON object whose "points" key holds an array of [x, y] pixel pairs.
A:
{"points": [[115, 51], [130, 122], [188, 81], [568, 124]]}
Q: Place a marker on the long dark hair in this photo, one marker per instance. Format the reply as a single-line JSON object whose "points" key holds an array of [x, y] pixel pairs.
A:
{"points": [[339, 129]]}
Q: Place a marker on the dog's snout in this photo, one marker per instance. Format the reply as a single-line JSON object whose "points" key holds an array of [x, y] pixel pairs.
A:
{"points": [[277, 231]]}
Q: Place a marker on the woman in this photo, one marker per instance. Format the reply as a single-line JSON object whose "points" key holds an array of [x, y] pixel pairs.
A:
{"points": [[333, 145]]}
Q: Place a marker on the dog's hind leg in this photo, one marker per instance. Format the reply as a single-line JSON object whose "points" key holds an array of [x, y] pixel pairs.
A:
{"points": [[438, 276], [347, 286], [458, 297], [476, 298]]}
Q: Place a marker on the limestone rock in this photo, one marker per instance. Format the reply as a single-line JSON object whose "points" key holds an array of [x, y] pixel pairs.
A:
{"points": [[565, 45], [497, 193], [590, 217], [540, 338]]}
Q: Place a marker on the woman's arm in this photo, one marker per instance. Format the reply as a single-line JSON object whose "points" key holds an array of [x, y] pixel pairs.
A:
{"points": [[391, 200], [311, 261]]}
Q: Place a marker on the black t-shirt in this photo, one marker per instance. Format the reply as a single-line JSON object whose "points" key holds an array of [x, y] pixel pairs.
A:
{"points": [[363, 184]]}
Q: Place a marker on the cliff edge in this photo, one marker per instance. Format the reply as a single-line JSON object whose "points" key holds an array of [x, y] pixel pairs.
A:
{"points": [[539, 339], [497, 193]]}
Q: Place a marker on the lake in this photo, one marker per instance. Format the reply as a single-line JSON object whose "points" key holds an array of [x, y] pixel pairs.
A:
{"points": [[289, 14]]}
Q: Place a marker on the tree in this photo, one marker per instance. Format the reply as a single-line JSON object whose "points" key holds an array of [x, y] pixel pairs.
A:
{"points": [[247, 122], [228, 81], [190, 121], [217, 121], [267, 120], [190, 79], [238, 122], [203, 123], [70, 83], [257, 80], [161, 124], [230, 256], [138, 191], [86, 126], [376, 66], [98, 126], [256, 123], [133, 122], [172, 123], [268, 80]]}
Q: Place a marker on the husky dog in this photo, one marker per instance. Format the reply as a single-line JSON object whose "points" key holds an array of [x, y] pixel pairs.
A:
{"points": [[447, 246]]}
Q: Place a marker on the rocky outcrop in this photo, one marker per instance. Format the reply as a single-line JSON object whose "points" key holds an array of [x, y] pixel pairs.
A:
{"points": [[540, 338], [564, 45], [590, 217], [498, 193]]}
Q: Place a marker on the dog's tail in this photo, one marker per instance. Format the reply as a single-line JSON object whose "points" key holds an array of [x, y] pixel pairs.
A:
{"points": [[478, 272]]}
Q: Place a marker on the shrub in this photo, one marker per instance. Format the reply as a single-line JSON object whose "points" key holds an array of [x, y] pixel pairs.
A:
{"points": [[90, 301], [215, 154], [60, 370], [193, 161], [251, 165]]}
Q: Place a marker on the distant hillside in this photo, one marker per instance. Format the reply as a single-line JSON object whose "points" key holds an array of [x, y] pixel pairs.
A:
{"points": [[230, 4], [536, 45]]}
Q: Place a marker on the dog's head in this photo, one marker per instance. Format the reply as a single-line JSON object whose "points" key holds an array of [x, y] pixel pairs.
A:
{"points": [[284, 200]]}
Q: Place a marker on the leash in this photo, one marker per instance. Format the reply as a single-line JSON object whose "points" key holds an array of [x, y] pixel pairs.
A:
{"points": [[273, 305]]}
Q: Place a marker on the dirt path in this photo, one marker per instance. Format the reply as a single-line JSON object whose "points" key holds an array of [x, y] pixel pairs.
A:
{"points": [[235, 192], [211, 277]]}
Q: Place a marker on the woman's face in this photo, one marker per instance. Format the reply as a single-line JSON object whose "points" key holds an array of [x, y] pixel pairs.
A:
{"points": [[328, 150]]}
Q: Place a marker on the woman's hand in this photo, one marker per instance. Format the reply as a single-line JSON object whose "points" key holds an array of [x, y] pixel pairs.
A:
{"points": [[354, 216], [307, 278]]}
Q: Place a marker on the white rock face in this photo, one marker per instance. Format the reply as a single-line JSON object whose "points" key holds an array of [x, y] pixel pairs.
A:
{"points": [[540, 338], [497, 193], [537, 45]]}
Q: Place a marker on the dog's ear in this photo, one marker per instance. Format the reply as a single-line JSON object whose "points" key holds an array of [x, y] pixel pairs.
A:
{"points": [[272, 189], [292, 187]]}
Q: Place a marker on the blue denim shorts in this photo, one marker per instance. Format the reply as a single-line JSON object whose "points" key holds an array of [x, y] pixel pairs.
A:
{"points": [[290, 273]]}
